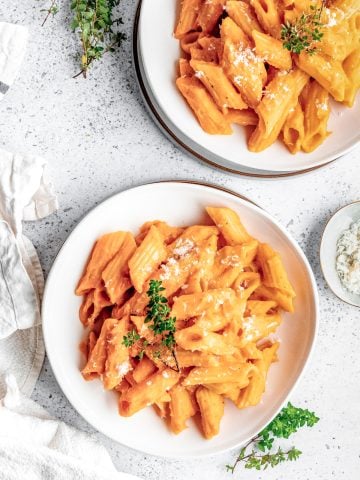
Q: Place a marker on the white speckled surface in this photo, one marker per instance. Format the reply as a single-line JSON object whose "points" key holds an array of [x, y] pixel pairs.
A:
{"points": [[98, 139]]}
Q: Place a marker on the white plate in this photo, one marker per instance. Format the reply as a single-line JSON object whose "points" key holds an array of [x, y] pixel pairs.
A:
{"points": [[339, 222], [179, 204], [159, 52]]}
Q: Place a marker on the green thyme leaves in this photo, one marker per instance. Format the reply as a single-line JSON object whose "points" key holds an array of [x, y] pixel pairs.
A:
{"points": [[304, 33], [95, 23], [287, 422]]}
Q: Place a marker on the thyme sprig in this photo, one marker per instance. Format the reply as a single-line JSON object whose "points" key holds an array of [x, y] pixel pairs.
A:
{"points": [[160, 322], [52, 10], [94, 21], [287, 422], [305, 32], [158, 314]]}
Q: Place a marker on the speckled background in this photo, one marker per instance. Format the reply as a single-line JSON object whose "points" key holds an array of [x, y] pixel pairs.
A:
{"points": [[98, 140]]}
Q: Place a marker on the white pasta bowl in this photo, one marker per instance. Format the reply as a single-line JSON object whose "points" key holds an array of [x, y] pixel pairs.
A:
{"points": [[340, 221], [178, 203], [156, 55]]}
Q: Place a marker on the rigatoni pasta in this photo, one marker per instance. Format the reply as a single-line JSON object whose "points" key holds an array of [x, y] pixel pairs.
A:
{"points": [[191, 326], [234, 53]]}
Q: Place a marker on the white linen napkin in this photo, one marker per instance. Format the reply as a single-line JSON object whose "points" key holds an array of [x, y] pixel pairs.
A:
{"points": [[25, 194], [35, 446]]}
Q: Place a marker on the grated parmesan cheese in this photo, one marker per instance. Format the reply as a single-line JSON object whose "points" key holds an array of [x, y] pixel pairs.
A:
{"points": [[123, 368], [246, 56], [348, 258], [183, 247], [321, 106], [231, 261], [269, 94]]}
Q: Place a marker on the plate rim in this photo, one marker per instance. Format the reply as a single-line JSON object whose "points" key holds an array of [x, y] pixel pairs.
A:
{"points": [[314, 333], [174, 138], [321, 249]]}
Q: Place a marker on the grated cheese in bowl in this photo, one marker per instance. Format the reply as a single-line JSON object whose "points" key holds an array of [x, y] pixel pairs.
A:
{"points": [[348, 258]]}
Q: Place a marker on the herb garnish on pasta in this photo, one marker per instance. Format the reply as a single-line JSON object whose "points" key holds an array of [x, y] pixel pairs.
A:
{"points": [[305, 32]]}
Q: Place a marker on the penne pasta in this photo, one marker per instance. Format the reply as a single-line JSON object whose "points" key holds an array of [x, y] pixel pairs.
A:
{"points": [[209, 14], [104, 250], [147, 392], [242, 117], [281, 95], [147, 258], [200, 101], [196, 338], [234, 374], [243, 15], [97, 358], [181, 317], [272, 51], [181, 408], [211, 407], [117, 355], [328, 72], [351, 66], [188, 17], [268, 16], [316, 116], [115, 275], [218, 85], [293, 130], [229, 225]]}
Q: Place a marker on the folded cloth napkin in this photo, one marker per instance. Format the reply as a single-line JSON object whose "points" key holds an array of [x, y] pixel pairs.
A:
{"points": [[13, 39], [25, 194], [35, 446]]}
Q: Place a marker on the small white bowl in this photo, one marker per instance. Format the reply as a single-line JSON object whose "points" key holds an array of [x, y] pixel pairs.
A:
{"points": [[340, 221]]}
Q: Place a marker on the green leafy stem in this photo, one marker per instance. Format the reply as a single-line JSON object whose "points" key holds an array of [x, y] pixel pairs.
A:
{"points": [[287, 422], [159, 320], [52, 10], [94, 21]]}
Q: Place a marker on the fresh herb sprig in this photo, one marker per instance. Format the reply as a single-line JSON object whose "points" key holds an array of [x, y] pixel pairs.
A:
{"points": [[287, 422], [305, 32], [94, 21], [158, 314], [159, 320], [52, 10]]}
